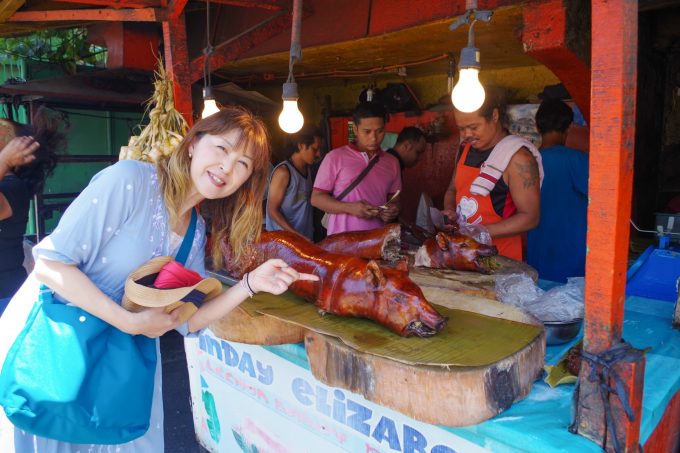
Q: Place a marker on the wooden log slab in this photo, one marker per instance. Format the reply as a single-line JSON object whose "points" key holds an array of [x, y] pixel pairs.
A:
{"points": [[454, 396], [451, 396], [457, 396], [241, 326], [468, 282], [244, 325]]}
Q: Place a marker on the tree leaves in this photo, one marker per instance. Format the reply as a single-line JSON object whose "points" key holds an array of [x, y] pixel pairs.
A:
{"points": [[68, 47]]}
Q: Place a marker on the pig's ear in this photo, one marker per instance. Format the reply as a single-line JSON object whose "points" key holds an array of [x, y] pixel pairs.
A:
{"points": [[374, 274], [442, 241]]}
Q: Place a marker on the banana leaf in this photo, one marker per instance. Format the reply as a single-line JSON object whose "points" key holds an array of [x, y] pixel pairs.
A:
{"points": [[469, 340]]}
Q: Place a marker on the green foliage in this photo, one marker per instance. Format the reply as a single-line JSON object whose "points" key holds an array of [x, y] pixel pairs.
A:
{"points": [[68, 47]]}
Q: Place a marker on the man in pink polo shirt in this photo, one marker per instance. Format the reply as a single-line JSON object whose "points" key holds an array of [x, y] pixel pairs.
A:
{"points": [[365, 207]]}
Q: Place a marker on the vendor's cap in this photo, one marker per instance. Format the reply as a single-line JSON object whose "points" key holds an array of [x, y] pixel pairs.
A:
{"points": [[557, 91], [140, 292]]}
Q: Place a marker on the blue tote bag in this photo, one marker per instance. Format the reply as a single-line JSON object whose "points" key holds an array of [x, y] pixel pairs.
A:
{"points": [[72, 377]]}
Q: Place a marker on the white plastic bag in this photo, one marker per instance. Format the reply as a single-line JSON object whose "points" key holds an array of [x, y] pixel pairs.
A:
{"points": [[561, 303]]}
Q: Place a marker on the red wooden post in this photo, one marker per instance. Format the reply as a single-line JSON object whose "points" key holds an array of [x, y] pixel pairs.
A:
{"points": [[177, 64], [612, 137]]}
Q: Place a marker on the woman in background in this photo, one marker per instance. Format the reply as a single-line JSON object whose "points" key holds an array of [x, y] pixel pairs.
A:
{"points": [[27, 157]]}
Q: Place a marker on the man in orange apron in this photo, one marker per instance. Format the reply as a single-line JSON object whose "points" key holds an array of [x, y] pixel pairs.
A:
{"points": [[512, 203]]}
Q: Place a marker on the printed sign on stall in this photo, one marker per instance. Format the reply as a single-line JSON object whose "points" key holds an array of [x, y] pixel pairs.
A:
{"points": [[246, 398]]}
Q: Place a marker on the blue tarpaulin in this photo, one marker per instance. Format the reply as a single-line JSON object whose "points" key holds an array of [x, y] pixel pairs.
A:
{"points": [[539, 422]]}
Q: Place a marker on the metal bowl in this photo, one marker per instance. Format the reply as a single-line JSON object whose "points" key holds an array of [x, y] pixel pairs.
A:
{"points": [[558, 332]]}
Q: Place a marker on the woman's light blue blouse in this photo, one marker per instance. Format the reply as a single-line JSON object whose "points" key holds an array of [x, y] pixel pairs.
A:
{"points": [[115, 225]]}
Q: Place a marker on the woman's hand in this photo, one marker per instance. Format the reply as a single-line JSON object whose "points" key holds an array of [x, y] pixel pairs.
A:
{"points": [[151, 322], [275, 276], [19, 151]]}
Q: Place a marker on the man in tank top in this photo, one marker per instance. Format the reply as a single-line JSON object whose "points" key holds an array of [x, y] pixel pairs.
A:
{"points": [[290, 186]]}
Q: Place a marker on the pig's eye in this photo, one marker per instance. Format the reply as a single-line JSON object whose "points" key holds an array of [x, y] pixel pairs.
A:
{"points": [[464, 245]]}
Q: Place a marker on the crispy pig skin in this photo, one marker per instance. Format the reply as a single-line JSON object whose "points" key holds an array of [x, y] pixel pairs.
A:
{"points": [[378, 244], [351, 286]]}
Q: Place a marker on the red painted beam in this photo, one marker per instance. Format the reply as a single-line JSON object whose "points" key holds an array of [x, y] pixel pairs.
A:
{"points": [[666, 435], [177, 65], [545, 39], [128, 44], [116, 3], [236, 46], [126, 15], [175, 8], [612, 143], [391, 15], [273, 5]]}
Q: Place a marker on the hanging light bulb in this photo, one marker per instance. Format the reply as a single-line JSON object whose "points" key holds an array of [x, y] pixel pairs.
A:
{"points": [[209, 104], [290, 119], [468, 94]]}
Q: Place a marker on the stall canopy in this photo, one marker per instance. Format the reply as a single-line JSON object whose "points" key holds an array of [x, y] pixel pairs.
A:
{"points": [[101, 88]]}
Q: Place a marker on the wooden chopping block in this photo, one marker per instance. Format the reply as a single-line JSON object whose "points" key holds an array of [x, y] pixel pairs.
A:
{"points": [[451, 396], [457, 396], [468, 282], [241, 327]]}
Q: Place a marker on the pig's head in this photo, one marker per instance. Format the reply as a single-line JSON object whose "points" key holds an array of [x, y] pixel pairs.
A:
{"points": [[402, 302], [456, 251]]}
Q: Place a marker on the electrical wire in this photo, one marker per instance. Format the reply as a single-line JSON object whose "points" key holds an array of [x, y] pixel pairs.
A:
{"points": [[344, 73], [209, 49]]}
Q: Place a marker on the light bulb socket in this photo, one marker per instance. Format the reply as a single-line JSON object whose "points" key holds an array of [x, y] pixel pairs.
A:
{"points": [[469, 58], [290, 91], [208, 93]]}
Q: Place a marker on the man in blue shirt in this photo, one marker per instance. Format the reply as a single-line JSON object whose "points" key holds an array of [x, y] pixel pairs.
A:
{"points": [[557, 247]]}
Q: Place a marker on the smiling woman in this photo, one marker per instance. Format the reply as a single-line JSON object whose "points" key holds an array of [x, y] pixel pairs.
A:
{"points": [[204, 169], [128, 215]]}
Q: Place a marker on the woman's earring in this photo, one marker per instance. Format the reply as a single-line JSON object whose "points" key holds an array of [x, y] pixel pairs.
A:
{"points": [[190, 156]]}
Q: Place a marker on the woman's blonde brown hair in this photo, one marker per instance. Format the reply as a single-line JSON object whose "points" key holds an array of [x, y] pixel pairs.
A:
{"points": [[237, 217]]}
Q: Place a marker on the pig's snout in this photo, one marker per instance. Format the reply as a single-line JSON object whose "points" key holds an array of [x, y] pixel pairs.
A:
{"points": [[487, 250], [427, 326]]}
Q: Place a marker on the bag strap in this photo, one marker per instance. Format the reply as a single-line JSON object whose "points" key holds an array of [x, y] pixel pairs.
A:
{"points": [[45, 296], [185, 248], [358, 179]]}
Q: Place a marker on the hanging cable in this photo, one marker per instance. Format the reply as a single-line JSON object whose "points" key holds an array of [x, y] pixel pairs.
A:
{"points": [[290, 119], [209, 104]]}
